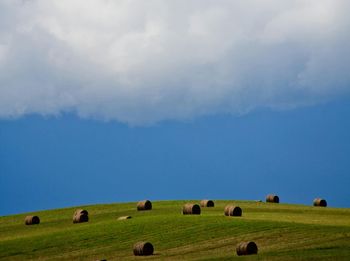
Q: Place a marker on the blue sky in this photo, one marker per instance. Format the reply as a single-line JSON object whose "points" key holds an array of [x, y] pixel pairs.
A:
{"points": [[104, 101], [58, 162]]}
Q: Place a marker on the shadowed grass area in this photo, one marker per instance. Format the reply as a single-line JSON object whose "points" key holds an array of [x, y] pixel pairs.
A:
{"points": [[281, 231]]}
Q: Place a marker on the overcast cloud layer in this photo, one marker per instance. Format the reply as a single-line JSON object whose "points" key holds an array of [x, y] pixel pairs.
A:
{"points": [[145, 61]]}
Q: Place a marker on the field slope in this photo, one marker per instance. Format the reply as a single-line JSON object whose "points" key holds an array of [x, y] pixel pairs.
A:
{"points": [[281, 231]]}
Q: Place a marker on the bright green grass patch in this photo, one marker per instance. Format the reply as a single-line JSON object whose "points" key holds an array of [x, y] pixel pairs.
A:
{"points": [[281, 231]]}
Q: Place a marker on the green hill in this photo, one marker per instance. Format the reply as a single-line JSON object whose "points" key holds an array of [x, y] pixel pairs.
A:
{"points": [[281, 231]]}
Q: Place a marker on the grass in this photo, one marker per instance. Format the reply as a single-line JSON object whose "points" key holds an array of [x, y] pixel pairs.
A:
{"points": [[281, 231]]}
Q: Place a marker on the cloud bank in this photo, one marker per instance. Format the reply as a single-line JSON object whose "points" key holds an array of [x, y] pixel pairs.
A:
{"points": [[145, 61]]}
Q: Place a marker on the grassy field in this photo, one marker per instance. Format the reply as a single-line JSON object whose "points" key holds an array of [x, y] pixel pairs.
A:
{"points": [[281, 231]]}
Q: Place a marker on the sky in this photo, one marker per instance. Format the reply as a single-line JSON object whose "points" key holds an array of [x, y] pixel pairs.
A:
{"points": [[110, 101]]}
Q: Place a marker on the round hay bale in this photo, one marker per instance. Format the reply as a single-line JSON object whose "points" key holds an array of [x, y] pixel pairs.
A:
{"points": [[246, 248], [143, 249], [319, 202], [191, 209], [80, 212], [80, 216], [205, 203], [234, 211], [124, 217], [144, 205], [271, 198], [32, 220]]}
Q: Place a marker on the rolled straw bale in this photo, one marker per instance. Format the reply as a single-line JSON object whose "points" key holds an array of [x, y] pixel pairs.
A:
{"points": [[207, 203], [32, 220], [231, 210], [144, 205], [124, 217], [191, 209], [80, 212], [319, 202], [143, 249], [271, 198], [80, 215], [80, 218], [246, 248]]}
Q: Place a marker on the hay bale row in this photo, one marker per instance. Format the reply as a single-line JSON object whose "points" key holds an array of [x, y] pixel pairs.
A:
{"points": [[243, 248], [318, 202], [191, 209], [32, 220], [80, 216], [144, 205], [234, 211], [272, 198], [143, 249], [205, 203], [246, 248]]}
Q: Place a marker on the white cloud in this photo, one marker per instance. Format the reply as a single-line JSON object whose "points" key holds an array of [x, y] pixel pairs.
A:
{"points": [[145, 61]]}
